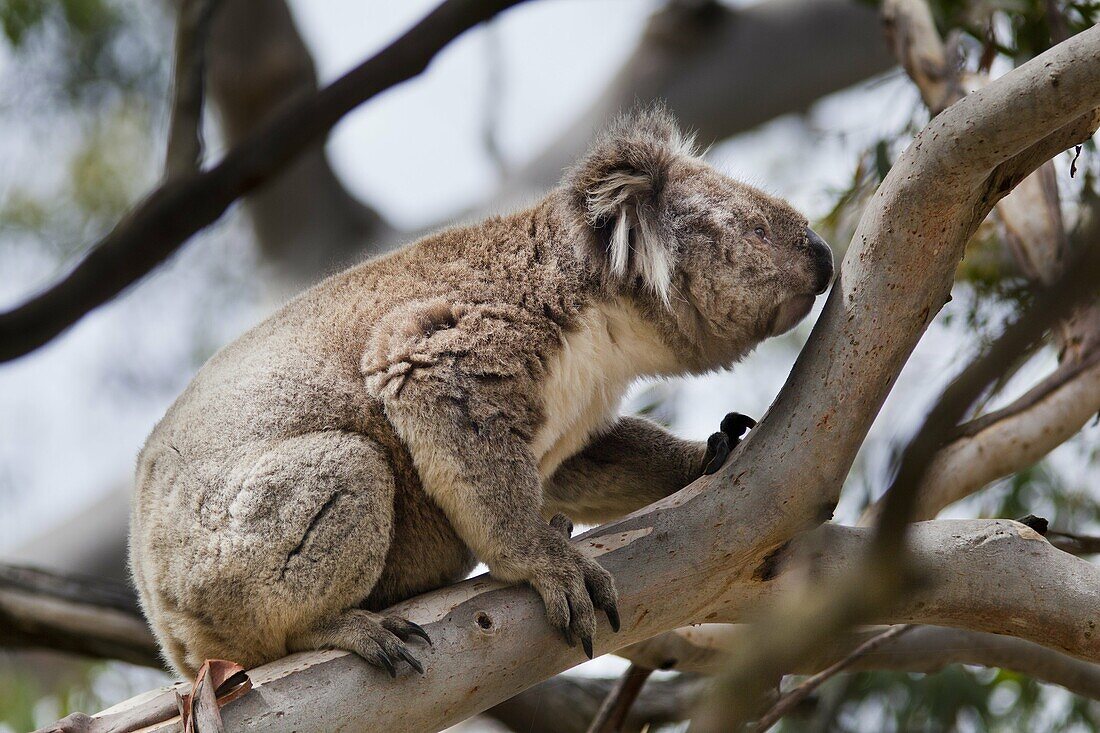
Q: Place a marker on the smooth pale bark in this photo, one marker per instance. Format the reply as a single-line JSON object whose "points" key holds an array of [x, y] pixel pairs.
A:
{"points": [[1011, 443], [994, 576], [1030, 218], [706, 649]]}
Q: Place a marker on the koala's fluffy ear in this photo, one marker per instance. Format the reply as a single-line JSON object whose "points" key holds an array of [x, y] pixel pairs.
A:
{"points": [[617, 189]]}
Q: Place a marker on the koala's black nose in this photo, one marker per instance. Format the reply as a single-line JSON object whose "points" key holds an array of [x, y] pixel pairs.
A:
{"points": [[823, 261]]}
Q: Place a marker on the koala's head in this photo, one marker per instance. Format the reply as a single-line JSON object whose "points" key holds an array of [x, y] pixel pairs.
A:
{"points": [[723, 264]]}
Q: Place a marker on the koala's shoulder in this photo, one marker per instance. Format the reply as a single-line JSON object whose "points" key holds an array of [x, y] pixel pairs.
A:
{"points": [[441, 341]]}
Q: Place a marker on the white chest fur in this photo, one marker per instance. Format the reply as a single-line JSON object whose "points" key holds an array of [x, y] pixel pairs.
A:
{"points": [[587, 377]]}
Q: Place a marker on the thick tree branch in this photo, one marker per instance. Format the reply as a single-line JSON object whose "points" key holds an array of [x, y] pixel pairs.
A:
{"points": [[1010, 439], [181, 207], [994, 576], [821, 609]]}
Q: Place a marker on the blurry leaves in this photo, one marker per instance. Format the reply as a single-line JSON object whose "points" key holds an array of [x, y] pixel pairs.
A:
{"points": [[37, 689], [1031, 28], [872, 165], [19, 17], [957, 698], [1044, 491], [21, 210], [87, 19], [85, 49], [80, 100], [103, 173]]}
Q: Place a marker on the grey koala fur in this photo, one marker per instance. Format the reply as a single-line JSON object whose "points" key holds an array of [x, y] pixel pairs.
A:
{"points": [[402, 419]]}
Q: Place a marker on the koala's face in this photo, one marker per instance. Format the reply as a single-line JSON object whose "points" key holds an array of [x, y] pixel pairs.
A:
{"points": [[747, 265], [717, 261]]}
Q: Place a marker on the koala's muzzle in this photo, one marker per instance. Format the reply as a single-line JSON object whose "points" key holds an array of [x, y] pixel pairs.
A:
{"points": [[823, 260]]}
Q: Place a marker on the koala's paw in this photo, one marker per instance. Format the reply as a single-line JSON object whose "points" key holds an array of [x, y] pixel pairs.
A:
{"points": [[380, 640], [721, 444], [563, 524], [572, 587]]}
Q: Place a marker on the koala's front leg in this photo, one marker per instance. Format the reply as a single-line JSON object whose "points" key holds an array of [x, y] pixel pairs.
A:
{"points": [[481, 472], [635, 463]]}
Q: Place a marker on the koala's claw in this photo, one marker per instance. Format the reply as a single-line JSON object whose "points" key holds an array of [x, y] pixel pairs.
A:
{"points": [[586, 640], [721, 444], [413, 661], [380, 640], [735, 425], [382, 659], [387, 651], [718, 450], [613, 617], [404, 629]]}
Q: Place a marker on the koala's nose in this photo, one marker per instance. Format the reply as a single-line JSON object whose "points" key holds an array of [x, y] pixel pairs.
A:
{"points": [[823, 261]]}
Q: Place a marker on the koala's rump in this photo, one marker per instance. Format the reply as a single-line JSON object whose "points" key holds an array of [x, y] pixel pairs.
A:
{"points": [[269, 496]]}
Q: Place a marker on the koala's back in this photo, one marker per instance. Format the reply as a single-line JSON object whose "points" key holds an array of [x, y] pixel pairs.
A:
{"points": [[274, 487]]}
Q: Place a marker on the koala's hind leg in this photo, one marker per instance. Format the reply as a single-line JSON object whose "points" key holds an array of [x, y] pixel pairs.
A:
{"points": [[308, 525], [378, 639]]}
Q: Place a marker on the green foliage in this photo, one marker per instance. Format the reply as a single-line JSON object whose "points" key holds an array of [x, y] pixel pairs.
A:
{"points": [[86, 89], [37, 690], [956, 698], [1034, 25]]}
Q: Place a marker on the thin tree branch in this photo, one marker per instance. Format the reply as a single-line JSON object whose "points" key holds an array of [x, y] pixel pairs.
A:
{"points": [[912, 35], [1075, 544], [306, 222], [1078, 285], [185, 145], [705, 649], [567, 704], [181, 207], [611, 717], [791, 699], [73, 614]]}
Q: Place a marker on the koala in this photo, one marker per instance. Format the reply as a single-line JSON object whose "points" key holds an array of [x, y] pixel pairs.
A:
{"points": [[456, 401]]}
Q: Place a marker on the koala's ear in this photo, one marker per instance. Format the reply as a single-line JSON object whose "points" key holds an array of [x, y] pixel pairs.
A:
{"points": [[618, 188]]}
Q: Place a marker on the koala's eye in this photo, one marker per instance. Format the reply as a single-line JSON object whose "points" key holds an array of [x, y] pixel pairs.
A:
{"points": [[761, 233]]}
